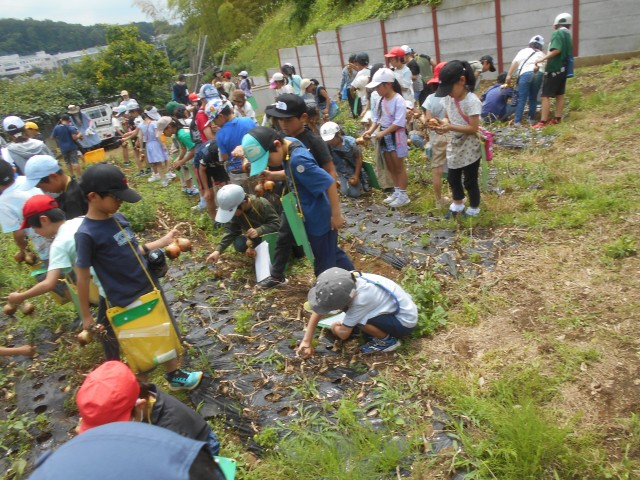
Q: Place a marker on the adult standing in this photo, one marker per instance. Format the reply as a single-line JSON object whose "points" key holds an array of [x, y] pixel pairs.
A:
{"points": [[555, 72], [180, 91], [124, 95], [528, 78], [89, 139]]}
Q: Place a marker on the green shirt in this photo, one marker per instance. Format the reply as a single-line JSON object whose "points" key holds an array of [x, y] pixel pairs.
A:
{"points": [[184, 137], [560, 40], [261, 215]]}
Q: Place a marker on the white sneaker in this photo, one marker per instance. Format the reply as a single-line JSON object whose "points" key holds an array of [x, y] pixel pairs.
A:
{"points": [[170, 175], [154, 177], [472, 212], [165, 182], [400, 201], [391, 197]]}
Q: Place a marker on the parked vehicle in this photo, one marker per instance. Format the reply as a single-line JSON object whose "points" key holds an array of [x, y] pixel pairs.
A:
{"points": [[101, 116]]}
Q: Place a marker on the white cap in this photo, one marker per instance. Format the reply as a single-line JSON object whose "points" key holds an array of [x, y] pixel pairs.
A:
{"points": [[123, 93], [277, 77], [243, 73], [152, 113], [328, 130], [563, 19], [73, 109], [229, 199], [132, 105], [383, 75], [537, 39], [304, 84], [407, 49], [12, 123]]}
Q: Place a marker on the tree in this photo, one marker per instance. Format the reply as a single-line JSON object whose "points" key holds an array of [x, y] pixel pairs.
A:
{"points": [[129, 63]]}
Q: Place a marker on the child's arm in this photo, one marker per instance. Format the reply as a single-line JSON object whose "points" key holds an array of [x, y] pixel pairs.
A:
{"points": [[160, 243], [82, 283], [184, 159], [358, 155], [370, 130], [21, 240], [337, 220], [48, 284], [471, 129], [204, 186], [26, 350], [129, 135], [305, 349]]}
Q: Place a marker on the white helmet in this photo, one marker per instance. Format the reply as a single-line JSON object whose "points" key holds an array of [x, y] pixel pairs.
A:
{"points": [[563, 19], [229, 199]]}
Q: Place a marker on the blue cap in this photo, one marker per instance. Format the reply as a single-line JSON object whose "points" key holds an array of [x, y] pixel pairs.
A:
{"points": [[38, 167], [256, 144], [121, 450]]}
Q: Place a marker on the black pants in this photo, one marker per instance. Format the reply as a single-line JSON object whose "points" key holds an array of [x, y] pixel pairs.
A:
{"points": [[285, 246], [108, 339], [470, 182]]}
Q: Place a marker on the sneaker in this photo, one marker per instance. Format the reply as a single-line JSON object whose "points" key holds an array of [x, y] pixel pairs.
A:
{"points": [[199, 206], [165, 182], [148, 171], [271, 282], [154, 177], [170, 175], [540, 125], [378, 345], [451, 214], [554, 121], [472, 212], [191, 191], [400, 201], [391, 197], [140, 173], [183, 380]]}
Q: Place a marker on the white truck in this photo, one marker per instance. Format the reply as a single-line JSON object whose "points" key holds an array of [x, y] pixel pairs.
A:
{"points": [[101, 117]]}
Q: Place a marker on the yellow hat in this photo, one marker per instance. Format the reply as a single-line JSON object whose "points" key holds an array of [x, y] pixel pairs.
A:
{"points": [[31, 126]]}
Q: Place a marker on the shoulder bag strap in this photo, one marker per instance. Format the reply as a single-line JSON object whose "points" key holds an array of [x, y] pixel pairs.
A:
{"points": [[464, 117], [523, 63], [391, 294], [135, 253]]}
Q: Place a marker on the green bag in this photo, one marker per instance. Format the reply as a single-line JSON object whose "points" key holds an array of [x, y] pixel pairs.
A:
{"points": [[228, 467], [290, 208], [373, 179]]}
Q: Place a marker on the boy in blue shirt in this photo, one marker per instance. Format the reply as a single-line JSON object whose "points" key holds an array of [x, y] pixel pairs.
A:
{"points": [[313, 187], [104, 241], [66, 135], [496, 101]]}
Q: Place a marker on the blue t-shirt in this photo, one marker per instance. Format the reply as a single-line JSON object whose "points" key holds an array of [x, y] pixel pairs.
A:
{"points": [[495, 100], [311, 182], [344, 156], [63, 135], [102, 245], [209, 92], [230, 136]]}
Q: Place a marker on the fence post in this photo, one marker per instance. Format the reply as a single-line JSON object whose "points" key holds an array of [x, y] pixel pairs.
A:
{"points": [[298, 60], [385, 47], [576, 27], [499, 33], [342, 63], [436, 37], [315, 38]]}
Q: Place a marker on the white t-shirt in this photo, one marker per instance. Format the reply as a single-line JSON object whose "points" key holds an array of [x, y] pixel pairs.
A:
{"points": [[403, 75], [285, 89], [62, 254], [245, 111], [360, 82], [526, 59], [371, 301], [11, 202]]}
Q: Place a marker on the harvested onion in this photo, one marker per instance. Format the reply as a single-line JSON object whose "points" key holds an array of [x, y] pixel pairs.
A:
{"points": [[184, 244], [173, 251]]}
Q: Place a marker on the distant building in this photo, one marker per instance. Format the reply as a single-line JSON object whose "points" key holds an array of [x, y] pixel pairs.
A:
{"points": [[17, 64]]}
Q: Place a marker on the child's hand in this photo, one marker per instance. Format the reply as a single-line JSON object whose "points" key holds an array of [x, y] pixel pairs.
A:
{"points": [[305, 350], [213, 258], [252, 233], [170, 237], [238, 152], [443, 128], [26, 350], [15, 298], [337, 221]]}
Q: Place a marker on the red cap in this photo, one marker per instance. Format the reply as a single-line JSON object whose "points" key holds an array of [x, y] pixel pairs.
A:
{"points": [[396, 52], [227, 74], [107, 395], [436, 73], [193, 97], [37, 205]]}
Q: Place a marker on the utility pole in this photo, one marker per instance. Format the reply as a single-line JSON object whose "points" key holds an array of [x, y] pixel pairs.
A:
{"points": [[200, 54]]}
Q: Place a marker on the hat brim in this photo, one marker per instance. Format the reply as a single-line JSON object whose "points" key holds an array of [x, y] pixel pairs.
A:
{"points": [[372, 84], [272, 111], [390, 55], [259, 165], [444, 89], [84, 425], [314, 304], [128, 195], [328, 136], [225, 216], [28, 184]]}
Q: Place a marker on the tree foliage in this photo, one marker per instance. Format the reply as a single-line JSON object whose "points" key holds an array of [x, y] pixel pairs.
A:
{"points": [[25, 37], [128, 63]]}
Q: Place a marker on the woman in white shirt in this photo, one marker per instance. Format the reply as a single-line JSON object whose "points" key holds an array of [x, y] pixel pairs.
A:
{"points": [[529, 77]]}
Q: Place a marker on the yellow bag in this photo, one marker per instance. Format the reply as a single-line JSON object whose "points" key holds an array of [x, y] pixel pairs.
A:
{"points": [[145, 332], [145, 329]]}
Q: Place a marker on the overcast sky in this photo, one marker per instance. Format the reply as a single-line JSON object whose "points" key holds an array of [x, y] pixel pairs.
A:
{"points": [[85, 12]]}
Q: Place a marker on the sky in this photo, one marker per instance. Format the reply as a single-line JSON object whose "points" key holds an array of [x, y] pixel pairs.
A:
{"points": [[85, 12]]}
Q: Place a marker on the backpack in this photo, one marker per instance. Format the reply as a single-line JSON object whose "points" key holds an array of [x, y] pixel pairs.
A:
{"points": [[193, 130]]}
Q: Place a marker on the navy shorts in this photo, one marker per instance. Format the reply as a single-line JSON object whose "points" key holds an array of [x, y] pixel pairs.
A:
{"points": [[390, 324]]}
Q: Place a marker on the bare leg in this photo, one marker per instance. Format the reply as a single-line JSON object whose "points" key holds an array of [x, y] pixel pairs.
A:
{"points": [[546, 109], [373, 331], [396, 169], [559, 105], [437, 184]]}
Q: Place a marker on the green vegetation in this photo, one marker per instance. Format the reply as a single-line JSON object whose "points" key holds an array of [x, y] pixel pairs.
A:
{"points": [[431, 301]]}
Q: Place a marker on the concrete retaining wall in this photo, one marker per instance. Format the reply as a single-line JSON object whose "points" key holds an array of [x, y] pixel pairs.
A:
{"points": [[468, 29]]}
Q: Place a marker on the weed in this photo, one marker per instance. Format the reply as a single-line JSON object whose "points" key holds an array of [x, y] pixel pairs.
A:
{"points": [[267, 438], [431, 302], [625, 246], [141, 215], [243, 320], [475, 257]]}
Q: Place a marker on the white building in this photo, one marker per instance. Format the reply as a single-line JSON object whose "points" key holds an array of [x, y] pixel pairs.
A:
{"points": [[16, 64]]}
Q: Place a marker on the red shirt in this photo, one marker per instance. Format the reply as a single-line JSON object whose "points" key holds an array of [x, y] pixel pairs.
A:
{"points": [[201, 120]]}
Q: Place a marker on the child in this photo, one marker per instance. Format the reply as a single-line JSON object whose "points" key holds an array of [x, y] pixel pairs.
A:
{"points": [[169, 127], [378, 306], [156, 152], [44, 215], [210, 173], [279, 83], [21, 148], [104, 241], [496, 101], [327, 108], [289, 71], [313, 187], [33, 131], [391, 116], [347, 157], [111, 393], [66, 135], [358, 85], [239, 213], [241, 107], [462, 119], [437, 154], [134, 119], [402, 73], [44, 172]]}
